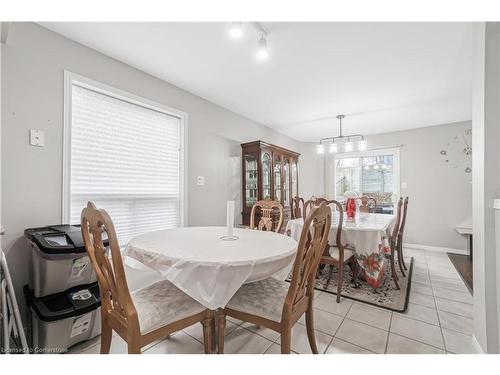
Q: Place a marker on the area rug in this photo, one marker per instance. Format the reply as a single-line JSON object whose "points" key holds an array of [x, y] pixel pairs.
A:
{"points": [[386, 296]]}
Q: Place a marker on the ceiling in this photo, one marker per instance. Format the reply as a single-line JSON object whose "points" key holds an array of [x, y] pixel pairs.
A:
{"points": [[383, 76]]}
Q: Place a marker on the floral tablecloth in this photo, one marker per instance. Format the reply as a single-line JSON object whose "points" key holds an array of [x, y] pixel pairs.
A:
{"points": [[367, 234]]}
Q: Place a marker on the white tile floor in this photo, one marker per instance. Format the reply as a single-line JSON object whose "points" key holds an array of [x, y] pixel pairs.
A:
{"points": [[438, 320]]}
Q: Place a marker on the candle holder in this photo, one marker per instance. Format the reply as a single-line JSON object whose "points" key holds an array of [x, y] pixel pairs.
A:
{"points": [[229, 238]]}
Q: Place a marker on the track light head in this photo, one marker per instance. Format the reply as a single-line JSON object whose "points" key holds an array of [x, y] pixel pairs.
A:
{"points": [[236, 30], [262, 52]]}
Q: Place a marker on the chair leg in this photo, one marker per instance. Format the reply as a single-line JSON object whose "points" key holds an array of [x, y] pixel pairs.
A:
{"points": [[393, 268], [402, 256], [221, 331], [355, 272], [330, 274], [310, 329], [286, 340], [133, 346], [400, 261], [340, 281], [207, 324], [319, 270], [106, 337]]}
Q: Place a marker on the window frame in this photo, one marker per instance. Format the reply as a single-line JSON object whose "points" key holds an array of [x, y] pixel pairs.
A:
{"points": [[381, 151], [71, 79]]}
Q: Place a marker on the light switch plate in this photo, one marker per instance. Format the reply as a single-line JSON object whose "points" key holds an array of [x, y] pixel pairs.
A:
{"points": [[403, 185], [200, 180], [37, 138]]}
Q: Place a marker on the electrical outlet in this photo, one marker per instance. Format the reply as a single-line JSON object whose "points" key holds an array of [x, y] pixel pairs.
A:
{"points": [[37, 138], [403, 185], [200, 180]]}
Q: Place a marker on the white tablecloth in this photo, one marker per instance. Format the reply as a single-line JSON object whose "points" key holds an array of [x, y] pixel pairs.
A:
{"points": [[364, 233], [207, 268]]}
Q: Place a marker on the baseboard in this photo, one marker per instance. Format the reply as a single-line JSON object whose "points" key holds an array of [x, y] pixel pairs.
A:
{"points": [[438, 249], [476, 345]]}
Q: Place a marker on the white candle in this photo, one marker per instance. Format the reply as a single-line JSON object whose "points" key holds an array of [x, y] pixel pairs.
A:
{"points": [[230, 218]]}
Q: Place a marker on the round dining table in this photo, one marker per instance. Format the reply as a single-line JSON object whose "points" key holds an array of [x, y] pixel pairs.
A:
{"points": [[208, 268]]}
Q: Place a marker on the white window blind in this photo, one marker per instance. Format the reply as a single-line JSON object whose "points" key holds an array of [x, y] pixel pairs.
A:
{"points": [[125, 158]]}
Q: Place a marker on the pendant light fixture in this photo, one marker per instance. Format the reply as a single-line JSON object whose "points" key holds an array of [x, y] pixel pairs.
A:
{"points": [[348, 143], [348, 146]]}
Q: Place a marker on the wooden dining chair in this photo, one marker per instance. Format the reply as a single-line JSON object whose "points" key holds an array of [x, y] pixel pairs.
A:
{"points": [[393, 240], [145, 315], [276, 304], [368, 204], [399, 246], [267, 208], [313, 202], [297, 209], [338, 255]]}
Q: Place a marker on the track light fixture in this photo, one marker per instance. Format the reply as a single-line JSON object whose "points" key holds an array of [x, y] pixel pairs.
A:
{"points": [[262, 52], [236, 32]]}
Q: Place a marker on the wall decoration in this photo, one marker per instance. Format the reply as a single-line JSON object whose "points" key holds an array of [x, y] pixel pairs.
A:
{"points": [[458, 151]]}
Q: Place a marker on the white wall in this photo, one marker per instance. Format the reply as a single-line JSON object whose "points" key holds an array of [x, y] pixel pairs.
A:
{"points": [[311, 170], [430, 181], [486, 182], [33, 62], [1, 49]]}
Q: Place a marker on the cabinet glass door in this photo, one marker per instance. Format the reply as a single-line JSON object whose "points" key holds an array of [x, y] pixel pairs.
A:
{"points": [[295, 180], [286, 183], [266, 176], [277, 179], [251, 182]]}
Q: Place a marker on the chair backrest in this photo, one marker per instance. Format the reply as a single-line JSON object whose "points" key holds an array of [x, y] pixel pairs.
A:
{"points": [[395, 229], [267, 207], [340, 209], [403, 220], [297, 209], [307, 206], [315, 202], [312, 242], [115, 295], [368, 204], [334, 206]]}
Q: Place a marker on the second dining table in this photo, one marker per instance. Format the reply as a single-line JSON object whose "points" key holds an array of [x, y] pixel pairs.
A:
{"points": [[367, 234], [208, 268]]}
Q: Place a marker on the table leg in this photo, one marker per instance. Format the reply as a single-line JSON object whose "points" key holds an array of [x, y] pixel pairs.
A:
{"points": [[356, 271], [215, 332], [215, 337]]}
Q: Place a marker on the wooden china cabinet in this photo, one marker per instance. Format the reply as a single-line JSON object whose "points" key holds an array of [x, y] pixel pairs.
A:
{"points": [[268, 171]]}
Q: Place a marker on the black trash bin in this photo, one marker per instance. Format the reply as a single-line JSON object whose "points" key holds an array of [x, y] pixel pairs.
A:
{"points": [[61, 320], [58, 259]]}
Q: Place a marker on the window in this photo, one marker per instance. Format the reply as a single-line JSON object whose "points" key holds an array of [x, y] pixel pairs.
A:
{"points": [[371, 173], [126, 156]]}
